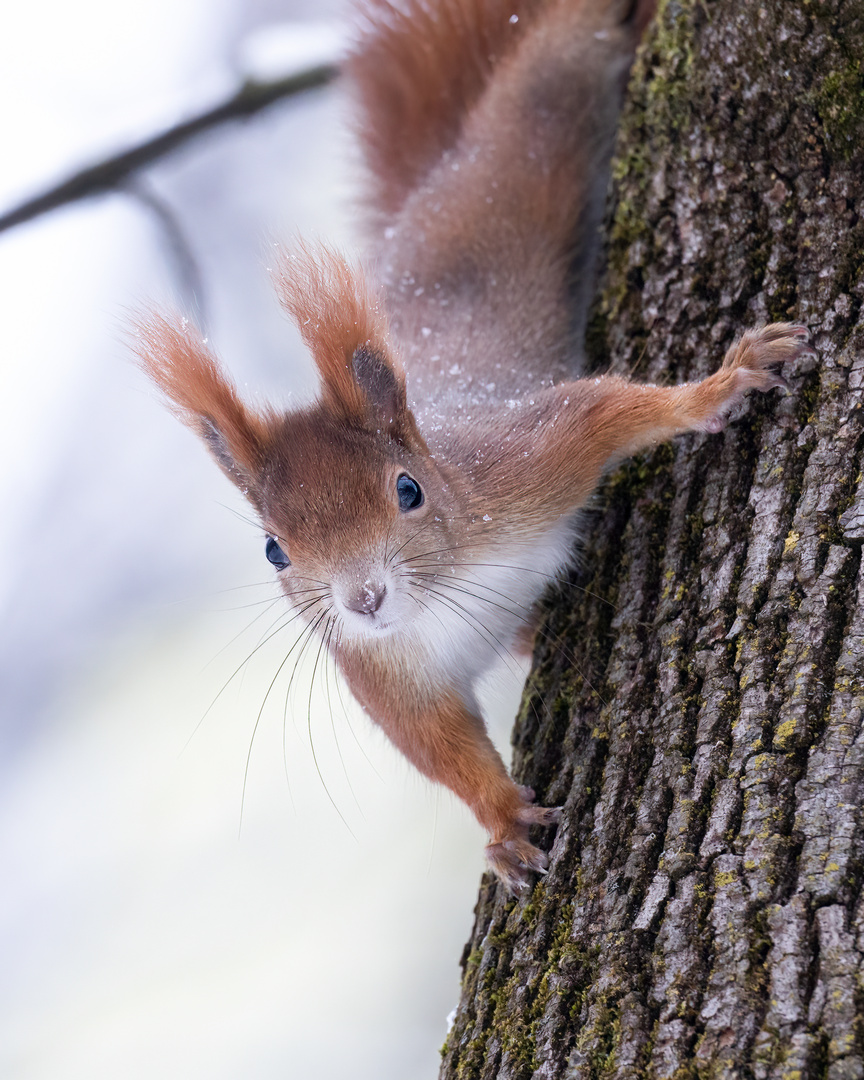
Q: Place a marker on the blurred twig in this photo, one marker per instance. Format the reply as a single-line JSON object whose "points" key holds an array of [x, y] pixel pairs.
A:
{"points": [[110, 174], [181, 255]]}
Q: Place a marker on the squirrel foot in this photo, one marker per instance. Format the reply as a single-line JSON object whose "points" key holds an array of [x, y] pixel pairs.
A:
{"points": [[513, 858]]}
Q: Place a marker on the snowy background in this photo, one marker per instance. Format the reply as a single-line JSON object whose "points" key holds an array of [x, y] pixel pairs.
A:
{"points": [[144, 930]]}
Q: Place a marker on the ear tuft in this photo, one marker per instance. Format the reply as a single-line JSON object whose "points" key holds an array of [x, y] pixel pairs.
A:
{"points": [[338, 319], [172, 353]]}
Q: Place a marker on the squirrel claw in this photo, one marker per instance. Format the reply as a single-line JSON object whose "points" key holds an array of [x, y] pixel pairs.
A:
{"points": [[513, 861], [772, 379], [755, 358], [514, 858], [540, 815]]}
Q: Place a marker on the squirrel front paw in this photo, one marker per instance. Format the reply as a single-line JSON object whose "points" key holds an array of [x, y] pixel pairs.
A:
{"points": [[756, 356], [752, 364], [513, 858]]}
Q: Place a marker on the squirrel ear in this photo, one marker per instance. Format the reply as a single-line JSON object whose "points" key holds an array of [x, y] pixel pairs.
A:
{"points": [[338, 319], [383, 388], [177, 359], [346, 332]]}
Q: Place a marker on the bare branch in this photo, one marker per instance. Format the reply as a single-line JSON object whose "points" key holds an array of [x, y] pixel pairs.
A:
{"points": [[110, 174], [190, 280]]}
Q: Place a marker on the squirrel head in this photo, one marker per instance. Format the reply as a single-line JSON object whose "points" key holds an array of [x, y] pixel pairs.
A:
{"points": [[346, 488]]}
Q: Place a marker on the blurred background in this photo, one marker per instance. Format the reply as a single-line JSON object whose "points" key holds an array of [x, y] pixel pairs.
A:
{"points": [[147, 927]]}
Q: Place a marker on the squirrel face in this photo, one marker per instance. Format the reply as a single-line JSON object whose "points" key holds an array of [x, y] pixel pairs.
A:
{"points": [[353, 519]]}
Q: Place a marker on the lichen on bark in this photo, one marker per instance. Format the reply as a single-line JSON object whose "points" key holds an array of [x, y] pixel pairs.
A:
{"points": [[697, 697]]}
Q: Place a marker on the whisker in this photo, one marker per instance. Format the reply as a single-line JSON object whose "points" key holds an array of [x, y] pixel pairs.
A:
{"points": [[401, 547], [566, 582], [300, 577], [293, 612], [387, 540], [249, 521], [303, 636], [297, 613], [251, 585], [270, 603], [310, 631], [474, 581], [556, 578], [346, 712], [528, 620], [292, 600], [466, 615], [314, 581], [313, 626], [245, 607], [519, 674], [523, 618], [427, 607], [312, 741], [435, 551], [328, 656], [200, 598], [448, 583]]}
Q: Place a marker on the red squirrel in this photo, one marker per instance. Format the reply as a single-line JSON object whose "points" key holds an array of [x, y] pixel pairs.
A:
{"points": [[416, 512]]}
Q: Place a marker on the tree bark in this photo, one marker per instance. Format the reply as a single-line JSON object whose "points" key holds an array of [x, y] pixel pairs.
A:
{"points": [[696, 701]]}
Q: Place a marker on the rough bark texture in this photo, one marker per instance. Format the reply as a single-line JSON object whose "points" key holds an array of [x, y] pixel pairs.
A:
{"points": [[698, 709]]}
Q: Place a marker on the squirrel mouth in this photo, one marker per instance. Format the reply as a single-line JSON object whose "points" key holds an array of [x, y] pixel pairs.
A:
{"points": [[366, 626]]}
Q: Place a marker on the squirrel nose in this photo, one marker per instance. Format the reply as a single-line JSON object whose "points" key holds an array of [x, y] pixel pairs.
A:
{"points": [[367, 599]]}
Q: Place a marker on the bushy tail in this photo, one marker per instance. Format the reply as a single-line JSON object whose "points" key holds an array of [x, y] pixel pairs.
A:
{"points": [[418, 69], [488, 127]]}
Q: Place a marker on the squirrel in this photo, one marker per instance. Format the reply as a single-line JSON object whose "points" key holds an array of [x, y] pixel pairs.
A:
{"points": [[417, 510]]}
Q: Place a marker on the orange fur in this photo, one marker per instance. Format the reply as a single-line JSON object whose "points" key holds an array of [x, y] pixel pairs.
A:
{"points": [[175, 356], [419, 68], [418, 521], [336, 314]]}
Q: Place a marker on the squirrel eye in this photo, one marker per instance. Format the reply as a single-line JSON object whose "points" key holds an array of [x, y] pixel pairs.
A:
{"points": [[275, 554], [410, 495]]}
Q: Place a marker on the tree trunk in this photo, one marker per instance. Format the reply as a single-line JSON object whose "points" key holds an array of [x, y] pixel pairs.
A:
{"points": [[696, 702]]}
